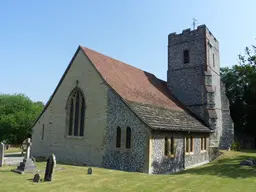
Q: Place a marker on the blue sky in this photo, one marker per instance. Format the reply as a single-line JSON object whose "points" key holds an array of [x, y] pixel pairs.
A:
{"points": [[39, 38]]}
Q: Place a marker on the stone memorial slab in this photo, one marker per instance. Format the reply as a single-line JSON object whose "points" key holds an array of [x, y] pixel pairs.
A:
{"points": [[248, 162], [89, 172], [36, 178], [1, 154], [27, 165], [49, 170]]}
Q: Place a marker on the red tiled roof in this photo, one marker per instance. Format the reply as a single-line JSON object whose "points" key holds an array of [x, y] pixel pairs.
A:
{"points": [[132, 83]]}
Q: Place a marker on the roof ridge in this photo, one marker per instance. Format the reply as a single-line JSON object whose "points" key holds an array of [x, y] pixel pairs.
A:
{"points": [[118, 61]]}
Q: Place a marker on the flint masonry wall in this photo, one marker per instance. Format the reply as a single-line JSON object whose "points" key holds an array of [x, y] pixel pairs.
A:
{"points": [[135, 159], [227, 136], [185, 80], [162, 164], [159, 162]]}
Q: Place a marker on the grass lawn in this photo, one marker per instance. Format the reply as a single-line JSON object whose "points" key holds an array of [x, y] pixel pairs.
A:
{"points": [[12, 150], [223, 174]]}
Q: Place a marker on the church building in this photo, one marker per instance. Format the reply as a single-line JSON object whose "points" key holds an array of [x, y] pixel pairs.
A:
{"points": [[109, 114]]}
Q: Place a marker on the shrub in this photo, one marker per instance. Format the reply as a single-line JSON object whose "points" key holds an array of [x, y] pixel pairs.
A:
{"points": [[235, 146]]}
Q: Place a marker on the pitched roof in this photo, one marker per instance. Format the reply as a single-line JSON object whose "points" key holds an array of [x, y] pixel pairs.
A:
{"points": [[141, 89], [165, 119], [132, 83]]}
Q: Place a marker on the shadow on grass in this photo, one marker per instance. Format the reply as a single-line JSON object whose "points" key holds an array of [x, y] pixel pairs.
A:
{"points": [[13, 155], [4, 171], [226, 167]]}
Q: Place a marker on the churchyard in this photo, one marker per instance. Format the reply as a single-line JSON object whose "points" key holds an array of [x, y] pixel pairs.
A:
{"points": [[222, 174]]}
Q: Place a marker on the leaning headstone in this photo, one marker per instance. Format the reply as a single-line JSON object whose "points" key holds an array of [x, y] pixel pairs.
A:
{"points": [[49, 170], [89, 172], [27, 165], [1, 154], [36, 178]]}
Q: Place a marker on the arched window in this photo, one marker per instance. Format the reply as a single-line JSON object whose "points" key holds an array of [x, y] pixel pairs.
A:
{"points": [[118, 137], [76, 113], [128, 137], [186, 56]]}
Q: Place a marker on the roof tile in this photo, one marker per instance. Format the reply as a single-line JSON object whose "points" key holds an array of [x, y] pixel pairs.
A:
{"points": [[147, 95]]}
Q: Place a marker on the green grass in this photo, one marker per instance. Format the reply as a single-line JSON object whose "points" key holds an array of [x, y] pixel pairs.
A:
{"points": [[12, 150], [223, 174]]}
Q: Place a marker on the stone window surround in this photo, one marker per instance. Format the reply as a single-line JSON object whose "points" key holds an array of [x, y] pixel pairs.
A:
{"points": [[189, 145], [205, 145], [67, 136], [123, 136], [171, 144]]}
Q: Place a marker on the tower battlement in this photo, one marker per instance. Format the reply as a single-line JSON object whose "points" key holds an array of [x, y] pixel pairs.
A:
{"points": [[187, 34]]}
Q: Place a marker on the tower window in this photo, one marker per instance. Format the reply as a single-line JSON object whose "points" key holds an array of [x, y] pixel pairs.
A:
{"points": [[186, 56]]}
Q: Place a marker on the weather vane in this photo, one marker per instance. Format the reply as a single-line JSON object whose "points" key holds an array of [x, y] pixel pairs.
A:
{"points": [[194, 23]]}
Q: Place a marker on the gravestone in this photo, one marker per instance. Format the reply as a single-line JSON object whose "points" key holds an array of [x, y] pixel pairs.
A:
{"points": [[27, 165], [49, 170], [89, 172], [248, 162], [36, 178], [1, 154]]}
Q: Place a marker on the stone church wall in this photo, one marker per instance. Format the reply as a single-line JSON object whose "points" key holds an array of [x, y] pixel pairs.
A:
{"points": [[227, 136], [162, 164], [159, 162], [88, 149], [197, 157], [136, 158]]}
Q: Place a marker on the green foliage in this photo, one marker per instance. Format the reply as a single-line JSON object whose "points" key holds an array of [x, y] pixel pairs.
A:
{"points": [[240, 82], [235, 146], [17, 114]]}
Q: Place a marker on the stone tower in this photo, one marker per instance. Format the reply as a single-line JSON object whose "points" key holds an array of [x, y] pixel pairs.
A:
{"points": [[194, 78]]}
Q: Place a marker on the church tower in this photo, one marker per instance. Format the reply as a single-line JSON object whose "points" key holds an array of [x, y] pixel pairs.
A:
{"points": [[194, 78]]}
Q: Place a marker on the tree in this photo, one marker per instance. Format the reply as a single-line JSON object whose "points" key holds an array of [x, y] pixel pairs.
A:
{"points": [[240, 82], [17, 114]]}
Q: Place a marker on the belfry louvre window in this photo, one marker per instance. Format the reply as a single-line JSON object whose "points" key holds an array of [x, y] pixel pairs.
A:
{"points": [[128, 137], [169, 146], [186, 56], [76, 113], [118, 137]]}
